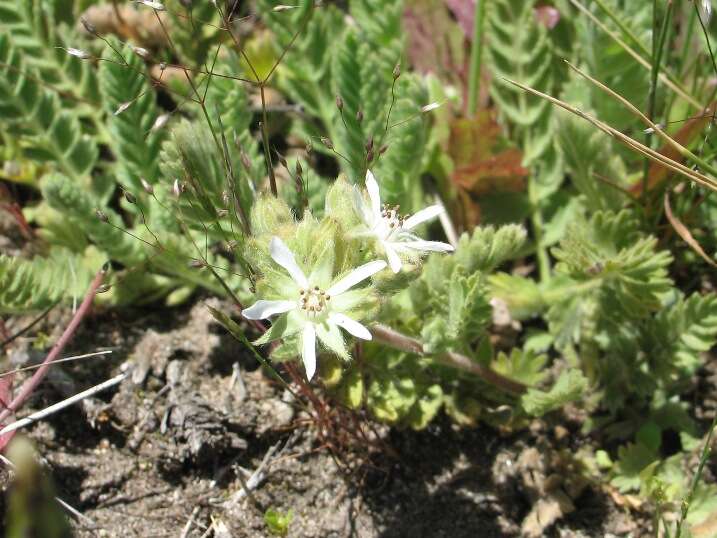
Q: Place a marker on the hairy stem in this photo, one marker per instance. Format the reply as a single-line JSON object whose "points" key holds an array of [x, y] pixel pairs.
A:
{"points": [[397, 340]]}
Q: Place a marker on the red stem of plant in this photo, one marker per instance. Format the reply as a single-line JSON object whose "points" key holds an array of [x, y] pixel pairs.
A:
{"points": [[30, 385]]}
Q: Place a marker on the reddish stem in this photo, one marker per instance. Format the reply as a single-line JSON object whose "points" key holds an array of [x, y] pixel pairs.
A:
{"points": [[31, 384]]}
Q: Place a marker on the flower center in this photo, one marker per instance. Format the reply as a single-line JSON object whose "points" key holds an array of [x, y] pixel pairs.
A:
{"points": [[313, 301], [394, 220]]}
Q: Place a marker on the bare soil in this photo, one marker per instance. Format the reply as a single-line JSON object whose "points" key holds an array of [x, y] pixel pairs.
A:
{"points": [[162, 453]]}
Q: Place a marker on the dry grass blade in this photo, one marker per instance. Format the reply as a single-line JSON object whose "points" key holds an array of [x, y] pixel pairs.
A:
{"points": [[655, 156], [682, 150], [58, 361], [684, 233], [61, 405]]}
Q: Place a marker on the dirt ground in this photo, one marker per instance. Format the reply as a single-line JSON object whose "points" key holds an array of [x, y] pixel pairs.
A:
{"points": [[161, 454]]}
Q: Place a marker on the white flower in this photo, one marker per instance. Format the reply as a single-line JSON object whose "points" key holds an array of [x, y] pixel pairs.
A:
{"points": [[391, 230], [311, 310]]}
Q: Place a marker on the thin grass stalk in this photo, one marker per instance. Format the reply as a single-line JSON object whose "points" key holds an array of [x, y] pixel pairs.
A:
{"points": [[476, 59], [682, 150], [669, 81], [706, 450], [709, 47], [658, 45], [679, 168]]}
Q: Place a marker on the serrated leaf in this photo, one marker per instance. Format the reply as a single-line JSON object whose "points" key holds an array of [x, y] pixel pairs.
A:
{"points": [[570, 387], [524, 366]]}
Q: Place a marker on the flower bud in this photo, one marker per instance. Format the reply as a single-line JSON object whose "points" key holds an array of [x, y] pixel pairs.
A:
{"points": [[339, 102], [146, 186], [101, 216], [89, 27], [397, 71], [177, 188], [123, 106], [327, 142], [160, 122], [141, 52], [359, 115], [369, 143], [131, 198]]}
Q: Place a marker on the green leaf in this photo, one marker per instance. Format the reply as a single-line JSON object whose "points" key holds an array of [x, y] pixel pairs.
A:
{"points": [[133, 141], [519, 49], [45, 129], [36, 284], [632, 459], [524, 366], [277, 522], [570, 387]]}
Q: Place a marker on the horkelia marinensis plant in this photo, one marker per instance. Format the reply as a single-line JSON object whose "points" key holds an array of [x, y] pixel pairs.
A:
{"points": [[318, 277]]}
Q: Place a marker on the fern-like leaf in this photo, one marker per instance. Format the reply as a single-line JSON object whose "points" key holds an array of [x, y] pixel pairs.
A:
{"points": [[35, 30], [34, 114], [519, 49], [129, 102], [570, 386], [68, 197], [30, 285], [608, 250]]}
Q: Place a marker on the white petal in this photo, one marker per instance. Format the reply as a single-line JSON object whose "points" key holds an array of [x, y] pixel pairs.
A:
{"points": [[357, 275], [264, 309], [308, 350], [373, 194], [393, 260], [422, 216], [349, 325], [363, 211], [431, 246], [281, 254]]}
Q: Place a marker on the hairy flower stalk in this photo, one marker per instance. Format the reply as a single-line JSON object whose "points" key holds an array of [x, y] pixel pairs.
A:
{"points": [[308, 308], [391, 230]]}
